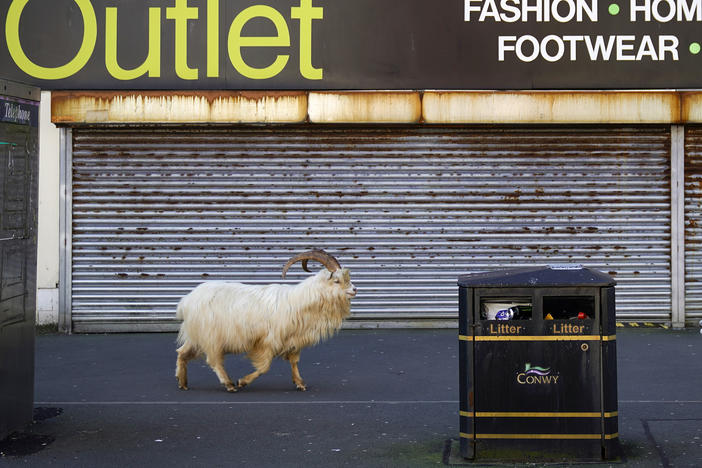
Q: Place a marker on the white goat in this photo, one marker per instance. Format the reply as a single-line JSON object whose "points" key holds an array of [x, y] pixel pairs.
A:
{"points": [[264, 322]]}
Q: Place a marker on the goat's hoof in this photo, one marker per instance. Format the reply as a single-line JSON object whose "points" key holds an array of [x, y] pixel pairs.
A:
{"points": [[240, 384], [301, 387], [182, 387]]}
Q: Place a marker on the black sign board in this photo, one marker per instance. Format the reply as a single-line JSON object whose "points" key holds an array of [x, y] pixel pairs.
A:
{"points": [[19, 111], [359, 44]]}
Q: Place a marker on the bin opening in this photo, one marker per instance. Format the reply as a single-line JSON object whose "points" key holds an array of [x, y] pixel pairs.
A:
{"points": [[569, 307], [505, 308]]}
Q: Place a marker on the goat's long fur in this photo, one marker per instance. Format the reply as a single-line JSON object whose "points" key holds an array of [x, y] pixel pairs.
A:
{"points": [[263, 321]]}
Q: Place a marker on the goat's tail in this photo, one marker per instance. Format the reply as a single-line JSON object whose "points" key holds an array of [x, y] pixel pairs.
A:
{"points": [[180, 315], [179, 311]]}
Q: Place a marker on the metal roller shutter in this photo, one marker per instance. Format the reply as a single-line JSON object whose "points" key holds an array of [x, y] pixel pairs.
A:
{"points": [[693, 222], [158, 210]]}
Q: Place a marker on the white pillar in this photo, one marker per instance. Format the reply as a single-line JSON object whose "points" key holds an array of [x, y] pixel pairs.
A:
{"points": [[677, 224]]}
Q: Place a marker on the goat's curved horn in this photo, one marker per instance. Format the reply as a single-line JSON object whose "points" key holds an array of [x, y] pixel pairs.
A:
{"points": [[317, 255]]}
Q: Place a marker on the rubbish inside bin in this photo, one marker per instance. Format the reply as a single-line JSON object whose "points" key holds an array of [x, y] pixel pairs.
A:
{"points": [[505, 309], [507, 314], [569, 307], [522, 312]]}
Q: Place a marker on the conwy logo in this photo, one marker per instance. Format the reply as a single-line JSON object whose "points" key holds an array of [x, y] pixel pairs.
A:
{"points": [[534, 375]]}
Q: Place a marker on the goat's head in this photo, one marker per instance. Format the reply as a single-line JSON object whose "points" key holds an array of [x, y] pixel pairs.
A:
{"points": [[338, 277]]}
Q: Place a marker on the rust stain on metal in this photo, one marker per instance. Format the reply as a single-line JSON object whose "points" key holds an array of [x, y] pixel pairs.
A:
{"points": [[513, 197], [365, 107], [433, 107], [552, 107], [210, 96], [178, 106], [691, 107]]}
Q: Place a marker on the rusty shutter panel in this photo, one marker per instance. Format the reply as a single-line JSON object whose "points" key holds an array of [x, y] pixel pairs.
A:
{"points": [[693, 222], [408, 209]]}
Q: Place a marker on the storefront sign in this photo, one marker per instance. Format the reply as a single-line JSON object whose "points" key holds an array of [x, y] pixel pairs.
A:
{"points": [[359, 44]]}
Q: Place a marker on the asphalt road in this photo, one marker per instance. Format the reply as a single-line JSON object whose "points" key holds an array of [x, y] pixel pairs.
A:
{"points": [[376, 398]]}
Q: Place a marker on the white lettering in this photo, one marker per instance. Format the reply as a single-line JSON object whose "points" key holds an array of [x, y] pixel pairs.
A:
{"points": [[590, 9], [664, 11], [635, 8], [599, 47], [515, 12], [502, 46], [570, 11], [16, 113], [559, 48], [468, 8], [539, 11], [489, 10], [553, 48], [534, 46], [646, 48], [573, 41], [623, 47], [693, 12], [668, 44], [656, 7], [524, 379], [537, 8]]}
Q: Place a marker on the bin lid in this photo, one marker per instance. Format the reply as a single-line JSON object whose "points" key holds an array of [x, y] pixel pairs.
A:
{"points": [[538, 276]]}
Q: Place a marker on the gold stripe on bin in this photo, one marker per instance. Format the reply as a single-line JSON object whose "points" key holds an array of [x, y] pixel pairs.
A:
{"points": [[537, 338], [531, 414], [542, 436]]}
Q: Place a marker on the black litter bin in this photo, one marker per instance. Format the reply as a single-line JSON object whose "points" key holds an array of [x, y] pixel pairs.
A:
{"points": [[538, 369]]}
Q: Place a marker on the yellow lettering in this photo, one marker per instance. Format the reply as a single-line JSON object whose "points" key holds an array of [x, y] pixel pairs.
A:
{"points": [[520, 378], [306, 13], [180, 14], [47, 73], [152, 63], [213, 38], [235, 42]]}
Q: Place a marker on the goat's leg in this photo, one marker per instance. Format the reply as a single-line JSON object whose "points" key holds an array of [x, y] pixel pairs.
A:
{"points": [[216, 362], [261, 359], [294, 358], [185, 354]]}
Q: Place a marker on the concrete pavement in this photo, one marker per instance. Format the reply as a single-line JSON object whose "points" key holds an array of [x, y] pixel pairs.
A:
{"points": [[376, 398]]}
